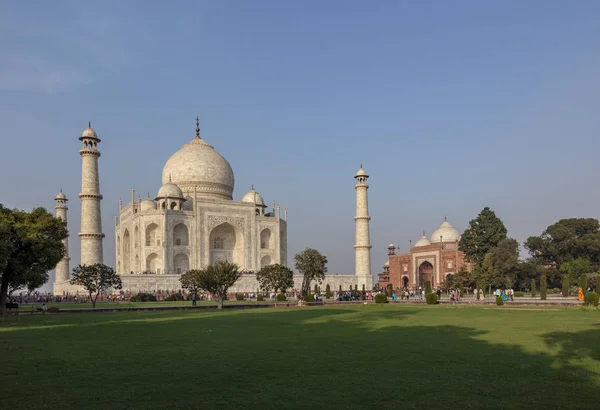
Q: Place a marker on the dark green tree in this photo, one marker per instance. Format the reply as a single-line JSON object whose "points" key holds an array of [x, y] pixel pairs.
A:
{"points": [[483, 234], [95, 278], [190, 281], [215, 279], [312, 266], [567, 240], [565, 286], [543, 285], [533, 292], [427, 287], [30, 246], [576, 267], [328, 293], [275, 277], [583, 282], [499, 267]]}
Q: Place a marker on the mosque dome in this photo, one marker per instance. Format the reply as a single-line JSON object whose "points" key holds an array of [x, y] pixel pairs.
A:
{"points": [[423, 241], [148, 205], [361, 173], [447, 232], [253, 197], [169, 190], [61, 196], [89, 132], [198, 167], [386, 264]]}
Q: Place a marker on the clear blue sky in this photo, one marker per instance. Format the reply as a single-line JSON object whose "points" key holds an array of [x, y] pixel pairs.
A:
{"points": [[450, 105]]}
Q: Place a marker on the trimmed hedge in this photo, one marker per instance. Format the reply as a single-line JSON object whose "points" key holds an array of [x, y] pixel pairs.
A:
{"points": [[281, 297], [260, 297], [427, 287], [239, 296], [309, 298], [565, 286], [519, 294], [543, 286], [328, 293], [143, 297], [591, 299], [381, 298], [499, 301], [432, 299], [175, 297], [532, 288]]}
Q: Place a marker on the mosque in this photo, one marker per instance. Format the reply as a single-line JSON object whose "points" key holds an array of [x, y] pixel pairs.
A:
{"points": [[192, 222], [430, 259]]}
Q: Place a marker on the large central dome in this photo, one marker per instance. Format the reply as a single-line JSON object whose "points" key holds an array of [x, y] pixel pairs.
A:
{"points": [[197, 167]]}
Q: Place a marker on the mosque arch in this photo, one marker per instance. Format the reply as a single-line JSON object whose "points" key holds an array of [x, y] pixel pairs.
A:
{"points": [[153, 263], [126, 251], [136, 237], [118, 245], [136, 267], [404, 281], [119, 266], [266, 239], [226, 243], [180, 235], [152, 235], [265, 261], [181, 263], [425, 273]]}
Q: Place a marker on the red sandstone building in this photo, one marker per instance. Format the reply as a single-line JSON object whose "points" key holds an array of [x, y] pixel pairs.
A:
{"points": [[428, 260]]}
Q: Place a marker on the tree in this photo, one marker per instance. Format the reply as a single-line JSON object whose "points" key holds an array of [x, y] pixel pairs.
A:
{"points": [[217, 278], [312, 266], [30, 246], [275, 277], [190, 281], [533, 288], [499, 267], [567, 240], [583, 282], [328, 293], [543, 285], [575, 268], [483, 234], [565, 286], [96, 278]]}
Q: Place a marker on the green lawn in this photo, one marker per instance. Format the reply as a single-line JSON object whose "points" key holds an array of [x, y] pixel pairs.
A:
{"points": [[346, 357], [126, 304]]}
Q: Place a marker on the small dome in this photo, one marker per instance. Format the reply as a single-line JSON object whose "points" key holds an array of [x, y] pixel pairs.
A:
{"points": [[89, 133], [423, 241], [391, 245], [169, 190], [148, 205], [387, 263], [361, 173], [253, 197], [447, 232], [61, 196]]}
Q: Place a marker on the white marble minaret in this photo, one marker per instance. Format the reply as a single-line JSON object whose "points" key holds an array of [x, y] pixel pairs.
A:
{"points": [[62, 268], [362, 247], [91, 221]]}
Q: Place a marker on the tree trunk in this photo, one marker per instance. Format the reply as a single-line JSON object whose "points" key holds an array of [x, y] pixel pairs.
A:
{"points": [[93, 301], [3, 297], [219, 302]]}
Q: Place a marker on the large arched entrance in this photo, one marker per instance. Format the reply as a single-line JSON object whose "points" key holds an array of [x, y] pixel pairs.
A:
{"points": [[425, 273], [227, 243], [404, 281]]}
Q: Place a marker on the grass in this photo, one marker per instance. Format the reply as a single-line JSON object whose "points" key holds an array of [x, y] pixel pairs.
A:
{"points": [[125, 304], [346, 357]]}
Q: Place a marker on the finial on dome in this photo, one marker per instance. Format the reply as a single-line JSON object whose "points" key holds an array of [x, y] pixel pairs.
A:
{"points": [[423, 233], [197, 128], [445, 219], [253, 187], [169, 177], [148, 194], [89, 124], [360, 166]]}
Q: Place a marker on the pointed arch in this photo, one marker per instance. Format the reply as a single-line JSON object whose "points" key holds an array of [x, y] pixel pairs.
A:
{"points": [[181, 263], [180, 235], [266, 239], [265, 261], [153, 263], [152, 235], [126, 251], [226, 242]]}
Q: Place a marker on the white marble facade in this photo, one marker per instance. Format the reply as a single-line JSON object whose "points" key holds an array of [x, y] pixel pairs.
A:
{"points": [[193, 221]]}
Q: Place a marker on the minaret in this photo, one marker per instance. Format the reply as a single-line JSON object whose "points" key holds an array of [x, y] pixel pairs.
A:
{"points": [[362, 247], [91, 221], [62, 267]]}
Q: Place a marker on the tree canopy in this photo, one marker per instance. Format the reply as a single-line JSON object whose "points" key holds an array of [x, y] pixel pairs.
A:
{"points": [[483, 234], [30, 246], [575, 268], [215, 279], [500, 265], [96, 278], [312, 266], [275, 277], [565, 241]]}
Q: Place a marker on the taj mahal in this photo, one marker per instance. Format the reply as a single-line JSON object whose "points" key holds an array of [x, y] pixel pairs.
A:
{"points": [[192, 222]]}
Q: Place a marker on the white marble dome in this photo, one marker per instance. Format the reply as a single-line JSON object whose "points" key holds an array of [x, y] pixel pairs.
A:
{"points": [[148, 205], [61, 196], [89, 133], [169, 190], [361, 173], [423, 241], [253, 197], [197, 167], [447, 232]]}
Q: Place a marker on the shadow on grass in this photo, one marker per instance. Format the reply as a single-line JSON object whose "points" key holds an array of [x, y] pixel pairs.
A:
{"points": [[583, 344], [335, 358]]}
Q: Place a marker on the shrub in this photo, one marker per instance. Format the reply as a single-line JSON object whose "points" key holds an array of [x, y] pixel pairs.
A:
{"points": [[54, 309], [281, 297], [143, 297], [363, 289], [565, 286], [583, 282], [427, 288], [316, 288], [309, 298], [175, 297], [432, 299], [499, 301], [239, 296], [328, 293], [543, 285], [260, 297], [340, 288], [519, 294], [381, 298], [591, 299], [356, 287], [532, 288]]}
